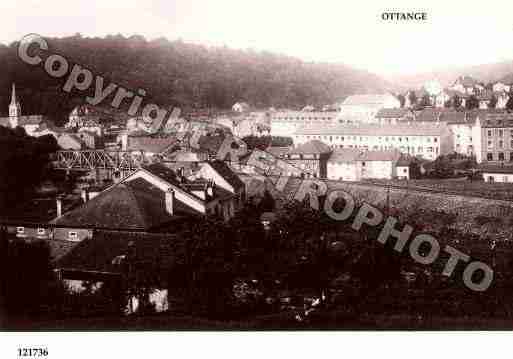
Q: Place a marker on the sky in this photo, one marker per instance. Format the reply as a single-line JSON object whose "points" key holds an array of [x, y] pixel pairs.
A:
{"points": [[457, 32]]}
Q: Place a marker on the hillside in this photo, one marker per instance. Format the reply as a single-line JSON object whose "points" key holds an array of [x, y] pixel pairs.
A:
{"points": [[500, 71], [187, 75]]}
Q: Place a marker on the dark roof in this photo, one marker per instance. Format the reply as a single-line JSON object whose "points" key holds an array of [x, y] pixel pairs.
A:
{"points": [[136, 205], [151, 144], [98, 253], [30, 120], [226, 172], [161, 171], [311, 147]]}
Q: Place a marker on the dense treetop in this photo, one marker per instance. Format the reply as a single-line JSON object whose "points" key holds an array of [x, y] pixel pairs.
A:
{"points": [[178, 73]]}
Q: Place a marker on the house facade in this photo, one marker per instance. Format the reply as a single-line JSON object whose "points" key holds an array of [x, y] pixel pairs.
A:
{"points": [[428, 141], [286, 123]]}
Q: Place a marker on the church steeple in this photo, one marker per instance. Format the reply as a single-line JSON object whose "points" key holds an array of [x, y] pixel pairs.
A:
{"points": [[14, 107], [13, 94]]}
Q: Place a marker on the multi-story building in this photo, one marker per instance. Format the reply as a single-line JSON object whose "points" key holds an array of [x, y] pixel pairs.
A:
{"points": [[310, 157], [493, 134], [428, 140], [363, 108], [286, 123]]}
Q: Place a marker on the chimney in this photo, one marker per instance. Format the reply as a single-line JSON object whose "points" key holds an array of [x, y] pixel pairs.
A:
{"points": [[124, 141], [59, 206], [170, 199], [210, 189]]}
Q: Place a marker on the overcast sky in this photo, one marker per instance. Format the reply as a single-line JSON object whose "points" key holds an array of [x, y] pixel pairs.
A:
{"points": [[458, 32]]}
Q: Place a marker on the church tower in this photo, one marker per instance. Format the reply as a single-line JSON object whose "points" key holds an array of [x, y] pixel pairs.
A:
{"points": [[14, 108]]}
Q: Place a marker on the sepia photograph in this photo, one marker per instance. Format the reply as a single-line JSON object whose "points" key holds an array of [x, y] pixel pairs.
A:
{"points": [[275, 166]]}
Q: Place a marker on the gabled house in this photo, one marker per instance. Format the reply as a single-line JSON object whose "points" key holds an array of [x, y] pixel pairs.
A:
{"points": [[153, 199], [311, 157]]}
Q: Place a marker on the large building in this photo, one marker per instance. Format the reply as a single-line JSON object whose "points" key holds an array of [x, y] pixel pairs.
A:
{"points": [[428, 141], [493, 134], [364, 108], [286, 123]]}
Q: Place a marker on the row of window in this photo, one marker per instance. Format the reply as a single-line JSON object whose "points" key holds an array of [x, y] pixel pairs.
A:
{"points": [[364, 138], [407, 149], [500, 144], [498, 132], [501, 156], [303, 119], [20, 231]]}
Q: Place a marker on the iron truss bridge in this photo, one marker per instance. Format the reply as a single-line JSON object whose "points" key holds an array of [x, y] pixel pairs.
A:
{"points": [[99, 159]]}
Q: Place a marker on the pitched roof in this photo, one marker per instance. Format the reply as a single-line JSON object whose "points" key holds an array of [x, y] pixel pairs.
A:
{"points": [[367, 99], [136, 205], [311, 147], [466, 81], [30, 120], [342, 155], [393, 113], [392, 155], [345, 155], [5, 122], [163, 172], [226, 172], [151, 144]]}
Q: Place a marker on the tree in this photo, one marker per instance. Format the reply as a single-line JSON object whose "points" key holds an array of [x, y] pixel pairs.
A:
{"points": [[425, 101], [472, 102], [509, 104], [493, 102], [413, 98], [401, 99], [23, 165], [456, 100]]}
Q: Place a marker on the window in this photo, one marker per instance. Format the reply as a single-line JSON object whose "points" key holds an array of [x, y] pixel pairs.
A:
{"points": [[20, 230], [501, 133], [501, 144], [41, 231], [501, 156], [363, 164], [489, 133], [489, 156], [490, 144], [435, 139], [73, 235], [405, 170]]}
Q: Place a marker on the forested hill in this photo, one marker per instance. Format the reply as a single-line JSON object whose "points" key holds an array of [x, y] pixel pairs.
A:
{"points": [[188, 75]]}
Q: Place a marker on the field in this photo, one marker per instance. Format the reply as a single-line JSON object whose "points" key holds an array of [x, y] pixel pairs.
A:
{"points": [[499, 191]]}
